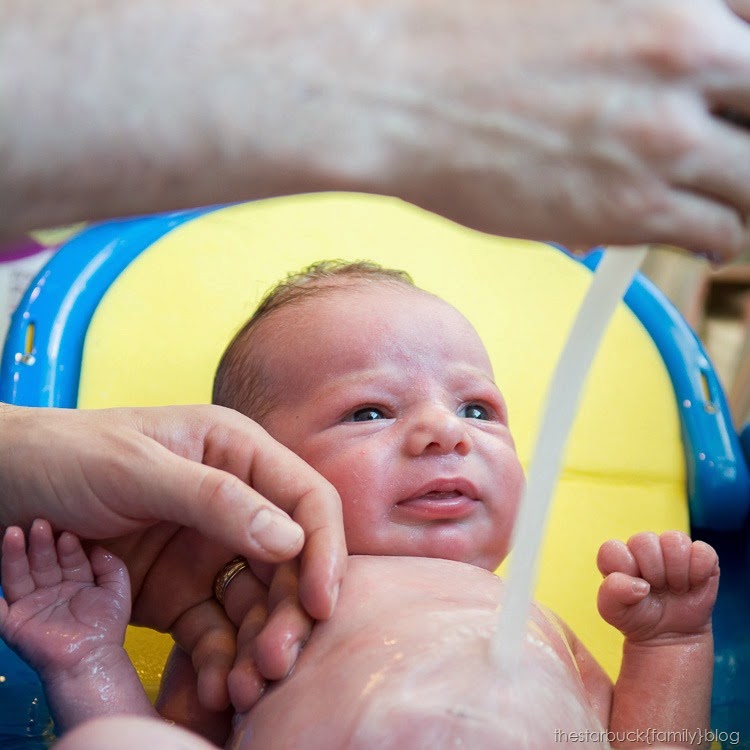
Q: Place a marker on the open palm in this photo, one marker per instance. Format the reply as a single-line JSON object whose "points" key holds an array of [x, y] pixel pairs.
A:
{"points": [[60, 604]]}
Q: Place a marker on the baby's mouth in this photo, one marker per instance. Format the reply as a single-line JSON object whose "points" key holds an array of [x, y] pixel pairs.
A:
{"points": [[436, 495], [438, 505]]}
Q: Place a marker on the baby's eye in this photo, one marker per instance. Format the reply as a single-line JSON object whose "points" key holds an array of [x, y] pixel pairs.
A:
{"points": [[368, 414], [474, 411]]}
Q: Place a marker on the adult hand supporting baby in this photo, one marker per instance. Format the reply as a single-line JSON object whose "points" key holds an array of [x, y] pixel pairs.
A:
{"points": [[270, 625], [584, 122], [176, 492]]}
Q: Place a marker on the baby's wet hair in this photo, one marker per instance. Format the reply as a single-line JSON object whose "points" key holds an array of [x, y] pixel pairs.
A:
{"points": [[241, 382]]}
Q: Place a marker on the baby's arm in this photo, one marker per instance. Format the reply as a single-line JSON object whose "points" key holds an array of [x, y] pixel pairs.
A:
{"points": [[659, 591], [596, 682], [66, 614]]}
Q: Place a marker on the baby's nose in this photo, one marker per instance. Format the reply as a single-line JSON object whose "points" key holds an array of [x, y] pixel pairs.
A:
{"points": [[438, 430]]}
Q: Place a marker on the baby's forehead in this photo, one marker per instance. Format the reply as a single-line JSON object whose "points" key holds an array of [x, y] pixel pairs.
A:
{"points": [[356, 311], [347, 302], [362, 325], [381, 298], [338, 291]]}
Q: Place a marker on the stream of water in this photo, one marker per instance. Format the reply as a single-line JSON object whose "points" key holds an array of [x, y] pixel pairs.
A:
{"points": [[609, 284]]}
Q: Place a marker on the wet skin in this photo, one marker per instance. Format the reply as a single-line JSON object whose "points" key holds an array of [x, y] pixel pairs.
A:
{"points": [[404, 662]]}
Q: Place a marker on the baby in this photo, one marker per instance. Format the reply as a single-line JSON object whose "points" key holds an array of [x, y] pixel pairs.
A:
{"points": [[388, 392]]}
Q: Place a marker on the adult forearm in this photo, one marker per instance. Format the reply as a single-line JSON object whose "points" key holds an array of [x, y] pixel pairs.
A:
{"points": [[117, 107], [11, 427], [585, 122]]}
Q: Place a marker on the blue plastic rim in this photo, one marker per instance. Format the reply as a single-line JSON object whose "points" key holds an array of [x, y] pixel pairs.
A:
{"points": [[65, 295], [717, 471]]}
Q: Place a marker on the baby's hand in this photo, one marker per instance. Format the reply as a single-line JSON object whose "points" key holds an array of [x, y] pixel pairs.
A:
{"points": [[658, 586], [60, 604]]}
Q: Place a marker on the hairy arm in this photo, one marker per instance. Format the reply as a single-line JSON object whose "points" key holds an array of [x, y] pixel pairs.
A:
{"points": [[589, 122]]}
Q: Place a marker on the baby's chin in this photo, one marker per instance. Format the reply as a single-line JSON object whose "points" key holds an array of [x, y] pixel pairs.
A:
{"points": [[435, 544]]}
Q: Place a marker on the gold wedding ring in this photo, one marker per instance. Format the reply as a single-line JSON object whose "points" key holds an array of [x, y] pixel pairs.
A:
{"points": [[225, 575]]}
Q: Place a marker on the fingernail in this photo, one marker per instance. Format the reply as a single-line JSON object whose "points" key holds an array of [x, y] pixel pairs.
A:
{"points": [[275, 532], [335, 595], [294, 653], [641, 587], [713, 258]]}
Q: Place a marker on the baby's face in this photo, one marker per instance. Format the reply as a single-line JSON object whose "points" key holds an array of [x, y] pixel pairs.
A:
{"points": [[389, 393]]}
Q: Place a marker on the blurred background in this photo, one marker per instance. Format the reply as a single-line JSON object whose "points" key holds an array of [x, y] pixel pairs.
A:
{"points": [[716, 303]]}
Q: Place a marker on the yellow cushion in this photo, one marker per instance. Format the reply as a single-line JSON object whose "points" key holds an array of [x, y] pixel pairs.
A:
{"points": [[148, 651], [160, 331]]}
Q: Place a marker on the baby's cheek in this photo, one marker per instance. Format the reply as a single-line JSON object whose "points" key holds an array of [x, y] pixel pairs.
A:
{"points": [[365, 522], [515, 473], [355, 529], [507, 477], [514, 479]]}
